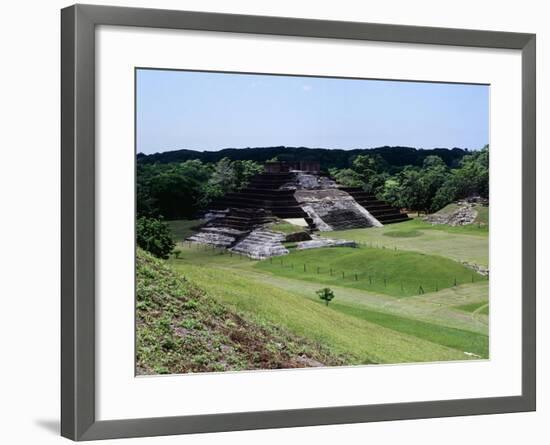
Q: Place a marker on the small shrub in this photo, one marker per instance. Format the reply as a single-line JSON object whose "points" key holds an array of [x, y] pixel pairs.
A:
{"points": [[326, 294]]}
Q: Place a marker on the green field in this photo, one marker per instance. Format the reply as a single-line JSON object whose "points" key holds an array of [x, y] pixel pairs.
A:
{"points": [[362, 340], [368, 321], [462, 243], [393, 272], [479, 308]]}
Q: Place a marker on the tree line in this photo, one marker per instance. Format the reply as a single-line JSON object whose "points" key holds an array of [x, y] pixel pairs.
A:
{"points": [[181, 189], [426, 188], [396, 157]]}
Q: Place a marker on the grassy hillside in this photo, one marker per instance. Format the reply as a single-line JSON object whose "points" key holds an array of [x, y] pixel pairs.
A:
{"points": [[364, 336], [392, 272], [181, 329]]}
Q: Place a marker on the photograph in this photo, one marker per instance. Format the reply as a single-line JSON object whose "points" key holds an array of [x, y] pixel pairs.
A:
{"points": [[292, 221]]}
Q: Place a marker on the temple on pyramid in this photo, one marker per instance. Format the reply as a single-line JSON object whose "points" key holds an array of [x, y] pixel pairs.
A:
{"points": [[298, 193]]}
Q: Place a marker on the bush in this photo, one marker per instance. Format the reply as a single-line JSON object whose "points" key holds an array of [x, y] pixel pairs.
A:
{"points": [[154, 236], [326, 294]]}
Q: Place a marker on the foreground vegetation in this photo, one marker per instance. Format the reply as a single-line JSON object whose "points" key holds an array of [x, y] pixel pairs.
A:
{"points": [[180, 329], [213, 311], [362, 340]]}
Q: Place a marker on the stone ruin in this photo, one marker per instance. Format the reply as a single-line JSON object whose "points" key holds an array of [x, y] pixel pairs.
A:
{"points": [[239, 221], [464, 214]]}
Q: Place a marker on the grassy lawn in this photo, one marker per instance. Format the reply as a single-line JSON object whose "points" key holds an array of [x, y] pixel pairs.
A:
{"points": [[365, 322], [453, 338], [464, 243], [434, 308], [392, 272], [343, 333], [482, 215], [480, 308]]}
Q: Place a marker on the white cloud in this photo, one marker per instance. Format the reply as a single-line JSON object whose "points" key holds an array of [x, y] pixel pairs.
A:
{"points": [[307, 87]]}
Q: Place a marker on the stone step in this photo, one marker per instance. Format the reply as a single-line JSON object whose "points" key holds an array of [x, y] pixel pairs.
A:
{"points": [[223, 231], [212, 239], [394, 219], [261, 244]]}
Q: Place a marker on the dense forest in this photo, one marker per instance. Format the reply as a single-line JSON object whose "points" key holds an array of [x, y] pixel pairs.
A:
{"points": [[181, 183], [395, 157]]}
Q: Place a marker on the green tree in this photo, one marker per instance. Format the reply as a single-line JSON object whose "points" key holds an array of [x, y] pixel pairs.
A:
{"points": [[172, 190], [470, 178], [346, 177], [434, 175], [412, 193], [154, 236], [223, 179], [326, 294], [244, 171]]}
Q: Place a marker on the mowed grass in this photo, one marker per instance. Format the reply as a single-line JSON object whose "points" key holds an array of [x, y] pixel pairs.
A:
{"points": [[463, 340], [479, 308], [344, 333], [465, 243], [392, 272]]}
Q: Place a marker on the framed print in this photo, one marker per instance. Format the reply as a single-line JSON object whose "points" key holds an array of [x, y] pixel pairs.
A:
{"points": [[272, 222]]}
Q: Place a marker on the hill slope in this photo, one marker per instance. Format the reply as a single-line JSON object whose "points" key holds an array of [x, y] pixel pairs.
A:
{"points": [[181, 329]]}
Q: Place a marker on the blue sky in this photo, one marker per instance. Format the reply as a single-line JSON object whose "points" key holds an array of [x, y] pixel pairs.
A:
{"points": [[211, 111]]}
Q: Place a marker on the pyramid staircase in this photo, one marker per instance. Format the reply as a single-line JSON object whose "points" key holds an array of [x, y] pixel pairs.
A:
{"points": [[381, 210], [260, 244], [231, 226], [263, 192]]}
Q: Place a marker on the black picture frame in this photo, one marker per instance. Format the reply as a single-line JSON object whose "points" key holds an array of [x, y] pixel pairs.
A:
{"points": [[78, 23]]}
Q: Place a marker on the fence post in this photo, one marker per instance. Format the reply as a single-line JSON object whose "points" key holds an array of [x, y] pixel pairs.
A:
{"points": [[385, 282], [304, 267], [455, 282], [355, 277], [343, 274]]}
